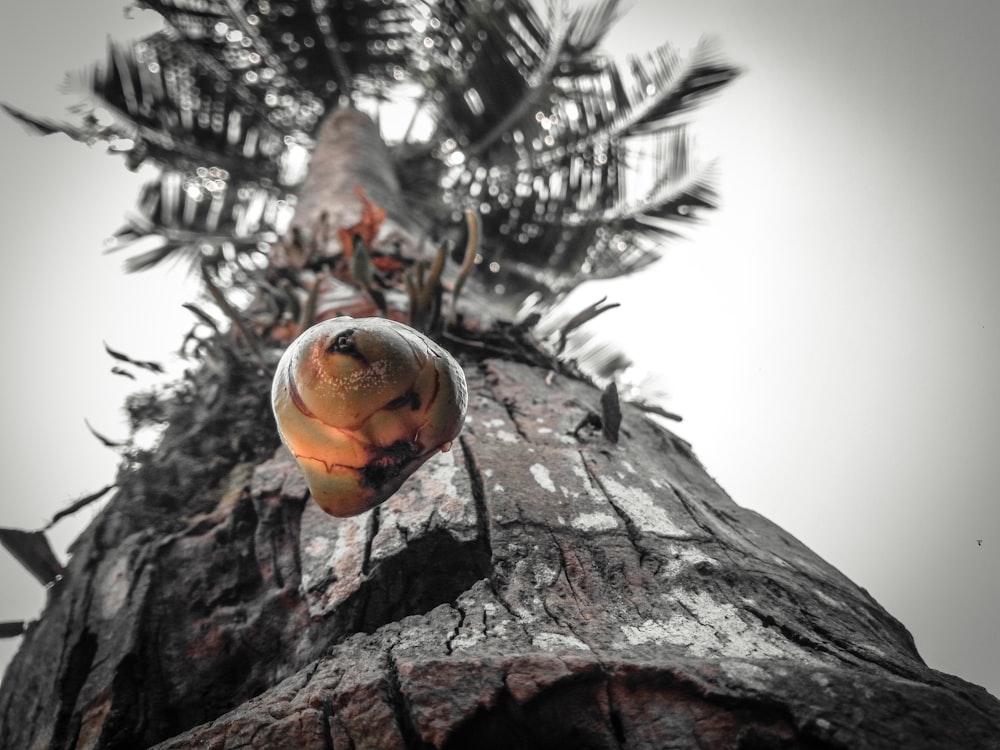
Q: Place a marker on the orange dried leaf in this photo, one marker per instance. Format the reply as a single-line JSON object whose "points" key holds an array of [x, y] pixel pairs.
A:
{"points": [[387, 264], [367, 228]]}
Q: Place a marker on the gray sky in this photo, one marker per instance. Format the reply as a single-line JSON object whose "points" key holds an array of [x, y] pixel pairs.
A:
{"points": [[830, 335]]}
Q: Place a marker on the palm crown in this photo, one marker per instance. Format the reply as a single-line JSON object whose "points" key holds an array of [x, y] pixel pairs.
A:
{"points": [[577, 165]]}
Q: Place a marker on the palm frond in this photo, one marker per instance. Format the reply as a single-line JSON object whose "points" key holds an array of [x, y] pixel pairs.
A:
{"points": [[201, 214], [161, 98], [590, 23], [579, 165], [567, 190], [39, 125]]}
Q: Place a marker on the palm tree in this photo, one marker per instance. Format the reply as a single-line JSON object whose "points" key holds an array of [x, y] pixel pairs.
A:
{"points": [[568, 575]]}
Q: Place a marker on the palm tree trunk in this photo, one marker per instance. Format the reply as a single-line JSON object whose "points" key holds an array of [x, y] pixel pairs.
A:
{"points": [[545, 584], [349, 153], [538, 586]]}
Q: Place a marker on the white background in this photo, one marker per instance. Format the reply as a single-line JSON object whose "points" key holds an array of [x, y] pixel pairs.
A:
{"points": [[830, 335]]}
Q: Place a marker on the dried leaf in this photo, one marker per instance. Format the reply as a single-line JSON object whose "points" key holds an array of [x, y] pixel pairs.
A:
{"points": [[32, 550], [611, 412], [145, 365]]}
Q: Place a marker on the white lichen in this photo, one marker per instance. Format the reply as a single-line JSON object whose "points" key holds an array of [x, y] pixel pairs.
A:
{"points": [[556, 641], [595, 522], [829, 599], [541, 475], [643, 511], [712, 628], [681, 558]]}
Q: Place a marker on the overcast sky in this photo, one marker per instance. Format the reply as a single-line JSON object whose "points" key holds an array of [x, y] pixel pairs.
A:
{"points": [[830, 335]]}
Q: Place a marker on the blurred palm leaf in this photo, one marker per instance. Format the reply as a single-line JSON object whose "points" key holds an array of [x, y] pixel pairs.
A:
{"points": [[580, 166]]}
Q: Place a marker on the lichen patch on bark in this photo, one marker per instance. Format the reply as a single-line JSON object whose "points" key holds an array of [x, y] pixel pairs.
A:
{"points": [[541, 475]]}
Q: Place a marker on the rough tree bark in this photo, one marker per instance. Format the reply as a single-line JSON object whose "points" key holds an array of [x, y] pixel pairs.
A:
{"points": [[538, 586]]}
